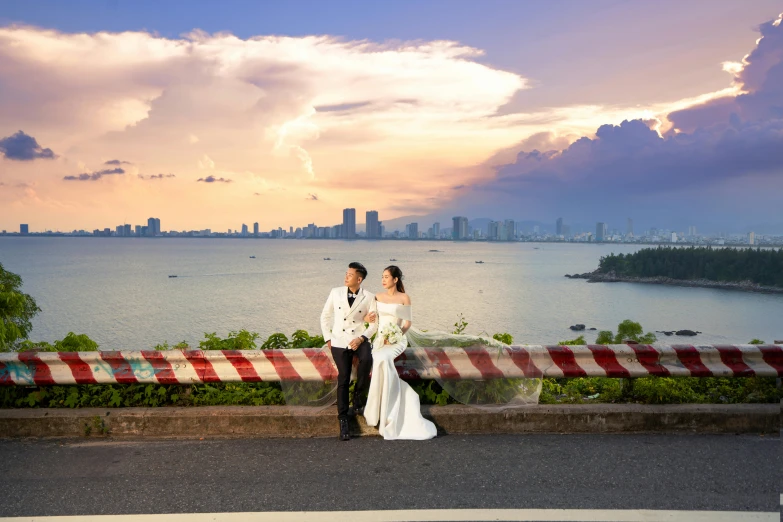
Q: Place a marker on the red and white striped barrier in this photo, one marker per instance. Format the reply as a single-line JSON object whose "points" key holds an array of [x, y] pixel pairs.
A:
{"points": [[315, 364]]}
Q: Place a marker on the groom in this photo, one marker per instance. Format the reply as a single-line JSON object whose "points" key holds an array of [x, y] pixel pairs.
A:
{"points": [[342, 324]]}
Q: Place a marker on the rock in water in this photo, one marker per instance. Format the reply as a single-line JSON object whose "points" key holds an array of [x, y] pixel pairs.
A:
{"points": [[685, 332]]}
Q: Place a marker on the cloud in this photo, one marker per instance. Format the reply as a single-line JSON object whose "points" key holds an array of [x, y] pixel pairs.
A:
{"points": [[157, 176], [312, 197], [206, 163], [22, 147], [117, 162], [213, 179], [732, 148], [94, 176], [760, 79]]}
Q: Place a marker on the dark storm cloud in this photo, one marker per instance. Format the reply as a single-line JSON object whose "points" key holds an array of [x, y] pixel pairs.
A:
{"points": [[22, 147]]}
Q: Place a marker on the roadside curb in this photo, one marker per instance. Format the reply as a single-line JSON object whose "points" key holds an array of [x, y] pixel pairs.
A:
{"points": [[297, 422]]}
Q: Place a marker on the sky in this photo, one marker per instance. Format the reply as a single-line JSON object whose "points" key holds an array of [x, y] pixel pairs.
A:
{"points": [[211, 115]]}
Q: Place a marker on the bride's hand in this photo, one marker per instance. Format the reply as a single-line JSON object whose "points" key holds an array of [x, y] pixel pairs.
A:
{"points": [[370, 318]]}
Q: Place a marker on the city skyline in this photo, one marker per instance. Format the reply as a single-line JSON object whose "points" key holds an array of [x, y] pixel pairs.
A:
{"points": [[462, 229], [256, 112]]}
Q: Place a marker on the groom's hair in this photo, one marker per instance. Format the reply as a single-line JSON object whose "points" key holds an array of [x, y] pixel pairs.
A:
{"points": [[360, 269]]}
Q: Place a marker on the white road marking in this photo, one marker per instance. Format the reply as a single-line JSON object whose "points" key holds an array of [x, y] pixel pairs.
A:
{"points": [[561, 515]]}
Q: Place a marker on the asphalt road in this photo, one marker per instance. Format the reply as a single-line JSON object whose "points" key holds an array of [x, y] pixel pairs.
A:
{"points": [[661, 472]]}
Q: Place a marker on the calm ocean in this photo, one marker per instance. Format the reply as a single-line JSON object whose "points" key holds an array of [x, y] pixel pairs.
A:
{"points": [[118, 291]]}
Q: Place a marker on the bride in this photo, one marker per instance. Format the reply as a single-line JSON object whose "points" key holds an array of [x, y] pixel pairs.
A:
{"points": [[392, 404]]}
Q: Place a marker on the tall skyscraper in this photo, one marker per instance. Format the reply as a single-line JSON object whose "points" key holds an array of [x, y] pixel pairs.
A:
{"points": [[692, 231], [255, 229], [412, 230], [600, 231], [559, 227], [436, 229], [372, 229], [244, 230], [511, 230], [751, 238], [460, 230], [493, 231], [349, 223], [126, 230], [151, 227], [629, 228], [24, 229]]}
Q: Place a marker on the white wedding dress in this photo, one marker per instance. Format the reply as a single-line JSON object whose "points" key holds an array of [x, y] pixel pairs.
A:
{"points": [[392, 404]]}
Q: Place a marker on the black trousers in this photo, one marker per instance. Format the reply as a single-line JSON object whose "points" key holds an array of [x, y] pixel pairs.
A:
{"points": [[343, 358]]}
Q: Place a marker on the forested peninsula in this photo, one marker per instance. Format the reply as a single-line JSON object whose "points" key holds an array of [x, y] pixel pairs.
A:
{"points": [[748, 269]]}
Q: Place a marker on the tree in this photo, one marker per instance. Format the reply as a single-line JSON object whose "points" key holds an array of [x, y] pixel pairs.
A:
{"points": [[17, 310], [626, 330]]}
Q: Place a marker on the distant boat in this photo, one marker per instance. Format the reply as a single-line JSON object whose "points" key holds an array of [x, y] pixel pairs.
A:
{"points": [[480, 262], [252, 257], [436, 250], [327, 259], [392, 259], [172, 276]]}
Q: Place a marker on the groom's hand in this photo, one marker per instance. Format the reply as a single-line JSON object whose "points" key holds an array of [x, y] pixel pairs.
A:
{"points": [[329, 344], [355, 343]]}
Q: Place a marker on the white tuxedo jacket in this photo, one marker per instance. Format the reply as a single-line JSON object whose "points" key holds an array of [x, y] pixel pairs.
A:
{"points": [[341, 323]]}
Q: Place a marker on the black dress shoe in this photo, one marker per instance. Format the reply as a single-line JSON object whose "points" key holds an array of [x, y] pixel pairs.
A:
{"points": [[344, 433]]}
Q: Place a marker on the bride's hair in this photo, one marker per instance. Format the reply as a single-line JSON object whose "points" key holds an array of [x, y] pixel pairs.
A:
{"points": [[395, 271]]}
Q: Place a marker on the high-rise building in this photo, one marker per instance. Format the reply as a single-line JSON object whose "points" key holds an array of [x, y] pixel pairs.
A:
{"points": [[559, 227], [372, 230], [255, 229], [751, 238], [493, 231], [511, 230], [436, 229], [153, 227], [460, 230], [337, 232], [600, 231], [349, 223], [692, 231], [244, 230], [412, 231], [629, 228], [138, 231], [24, 229], [674, 237]]}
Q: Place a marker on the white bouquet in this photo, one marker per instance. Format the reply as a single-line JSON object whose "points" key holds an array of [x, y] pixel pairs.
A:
{"points": [[392, 333]]}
